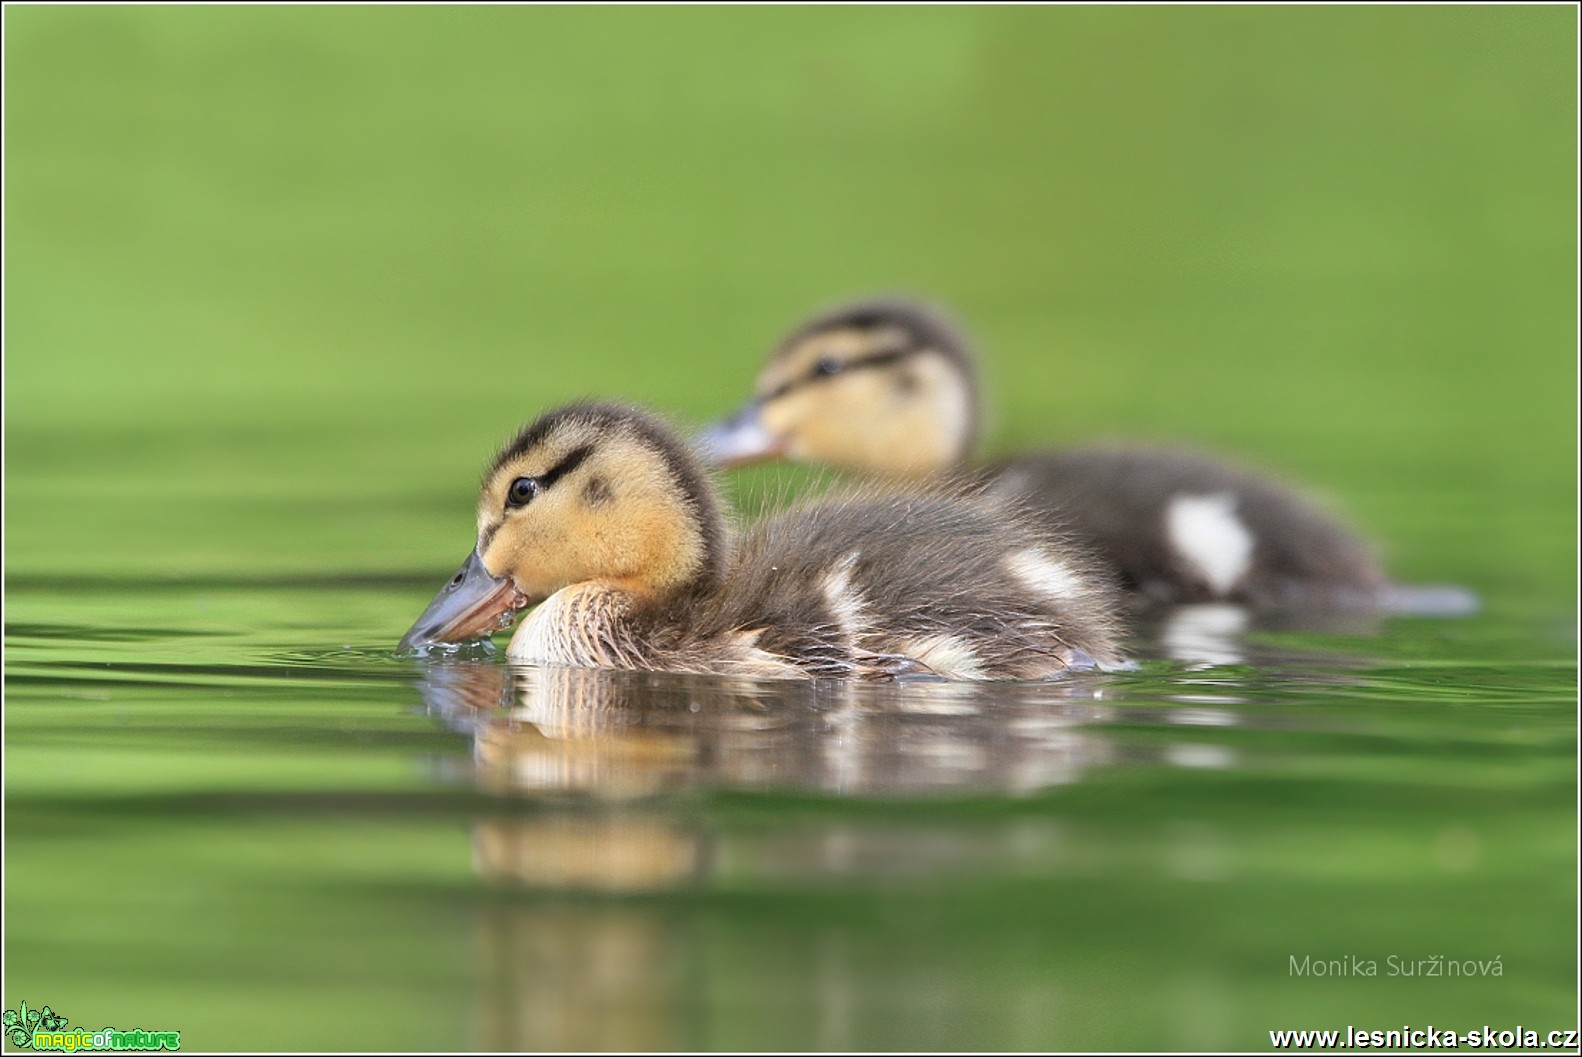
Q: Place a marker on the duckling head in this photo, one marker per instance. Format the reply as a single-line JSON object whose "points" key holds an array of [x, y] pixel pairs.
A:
{"points": [[591, 493], [885, 386]]}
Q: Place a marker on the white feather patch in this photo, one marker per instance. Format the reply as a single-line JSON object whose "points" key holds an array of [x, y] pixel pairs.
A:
{"points": [[539, 638], [1043, 575], [946, 655], [1205, 530], [845, 601]]}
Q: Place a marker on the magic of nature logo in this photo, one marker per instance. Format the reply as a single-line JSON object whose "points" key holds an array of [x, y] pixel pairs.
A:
{"points": [[45, 1029]]}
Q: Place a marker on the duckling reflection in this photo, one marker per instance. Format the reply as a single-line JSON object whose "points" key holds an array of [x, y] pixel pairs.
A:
{"points": [[586, 764], [1217, 634], [618, 736], [593, 748], [1205, 635], [612, 852], [581, 978]]}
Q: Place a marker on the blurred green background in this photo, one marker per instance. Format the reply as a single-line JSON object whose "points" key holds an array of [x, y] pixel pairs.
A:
{"points": [[334, 255], [278, 279]]}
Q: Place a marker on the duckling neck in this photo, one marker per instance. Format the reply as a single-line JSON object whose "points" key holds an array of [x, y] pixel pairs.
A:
{"points": [[604, 623], [585, 625]]}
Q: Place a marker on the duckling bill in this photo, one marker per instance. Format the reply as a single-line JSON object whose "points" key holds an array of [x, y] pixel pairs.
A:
{"points": [[472, 605], [601, 517]]}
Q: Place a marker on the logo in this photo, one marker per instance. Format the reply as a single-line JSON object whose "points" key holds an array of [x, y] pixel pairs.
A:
{"points": [[44, 1029], [21, 1023]]}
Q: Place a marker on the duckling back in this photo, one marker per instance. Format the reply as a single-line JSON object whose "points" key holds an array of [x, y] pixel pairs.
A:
{"points": [[1181, 527], [965, 586]]}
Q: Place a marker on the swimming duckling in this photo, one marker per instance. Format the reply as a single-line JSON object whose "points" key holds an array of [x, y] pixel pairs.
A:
{"points": [[600, 516], [889, 387]]}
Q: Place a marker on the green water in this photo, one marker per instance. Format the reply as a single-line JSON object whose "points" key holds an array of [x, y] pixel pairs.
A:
{"points": [[278, 280]]}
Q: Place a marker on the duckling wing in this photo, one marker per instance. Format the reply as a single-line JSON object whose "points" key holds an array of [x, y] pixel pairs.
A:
{"points": [[967, 586], [1183, 527]]}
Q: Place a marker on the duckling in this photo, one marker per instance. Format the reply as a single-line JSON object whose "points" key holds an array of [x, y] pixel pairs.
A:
{"points": [[601, 517], [889, 387]]}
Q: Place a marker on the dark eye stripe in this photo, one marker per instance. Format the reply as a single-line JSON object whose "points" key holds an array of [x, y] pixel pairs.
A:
{"points": [[818, 374], [523, 490], [564, 466]]}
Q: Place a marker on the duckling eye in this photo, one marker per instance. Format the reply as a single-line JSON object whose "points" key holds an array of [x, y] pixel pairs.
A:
{"points": [[521, 492], [827, 366]]}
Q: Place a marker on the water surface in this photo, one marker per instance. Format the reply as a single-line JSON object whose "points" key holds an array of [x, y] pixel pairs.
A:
{"points": [[214, 827]]}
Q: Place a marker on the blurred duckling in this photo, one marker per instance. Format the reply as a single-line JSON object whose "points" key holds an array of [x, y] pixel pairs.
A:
{"points": [[601, 517], [889, 387]]}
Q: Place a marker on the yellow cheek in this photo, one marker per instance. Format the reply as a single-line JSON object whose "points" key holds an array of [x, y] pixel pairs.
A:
{"points": [[862, 421], [913, 446], [856, 423], [521, 550], [650, 551], [639, 546], [826, 421], [785, 417]]}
